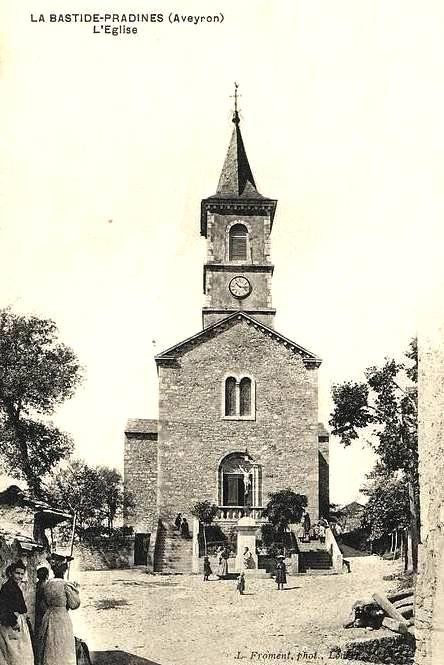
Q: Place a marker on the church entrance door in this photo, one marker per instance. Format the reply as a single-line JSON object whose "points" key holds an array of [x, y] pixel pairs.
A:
{"points": [[234, 491]]}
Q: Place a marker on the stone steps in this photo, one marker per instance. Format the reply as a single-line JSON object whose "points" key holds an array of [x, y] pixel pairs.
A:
{"points": [[173, 553], [317, 571]]}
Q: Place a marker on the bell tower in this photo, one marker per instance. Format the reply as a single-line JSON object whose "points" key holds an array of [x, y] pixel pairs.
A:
{"points": [[237, 222]]}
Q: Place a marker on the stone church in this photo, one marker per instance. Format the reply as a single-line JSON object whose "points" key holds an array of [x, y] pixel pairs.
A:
{"points": [[238, 401]]}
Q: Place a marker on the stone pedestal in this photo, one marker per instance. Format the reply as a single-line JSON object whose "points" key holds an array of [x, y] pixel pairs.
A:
{"points": [[246, 537]]}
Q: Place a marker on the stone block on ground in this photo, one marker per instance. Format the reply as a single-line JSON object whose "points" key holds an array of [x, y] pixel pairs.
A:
{"points": [[395, 650]]}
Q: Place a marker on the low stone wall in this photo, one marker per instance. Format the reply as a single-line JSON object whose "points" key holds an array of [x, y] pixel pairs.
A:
{"points": [[104, 554]]}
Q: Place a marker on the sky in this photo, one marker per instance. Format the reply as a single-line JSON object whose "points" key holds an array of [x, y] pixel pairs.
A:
{"points": [[110, 142]]}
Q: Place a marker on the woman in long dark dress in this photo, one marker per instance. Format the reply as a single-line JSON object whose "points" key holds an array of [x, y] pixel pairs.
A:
{"points": [[15, 637], [281, 573], [307, 527]]}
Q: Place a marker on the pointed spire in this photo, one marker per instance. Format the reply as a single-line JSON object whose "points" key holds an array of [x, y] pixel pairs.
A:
{"points": [[236, 178]]}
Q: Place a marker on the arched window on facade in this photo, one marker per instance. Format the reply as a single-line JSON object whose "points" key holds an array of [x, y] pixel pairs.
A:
{"points": [[239, 397], [245, 397], [238, 243], [230, 396]]}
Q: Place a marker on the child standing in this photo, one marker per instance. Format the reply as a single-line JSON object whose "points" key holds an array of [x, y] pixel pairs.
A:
{"points": [[281, 573], [240, 584], [207, 569]]}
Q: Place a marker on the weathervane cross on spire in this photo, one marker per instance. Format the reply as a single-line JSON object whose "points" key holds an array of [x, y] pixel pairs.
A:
{"points": [[236, 118]]}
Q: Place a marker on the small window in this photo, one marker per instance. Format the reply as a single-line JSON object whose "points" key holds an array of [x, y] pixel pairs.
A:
{"points": [[245, 397], [238, 243], [230, 396]]}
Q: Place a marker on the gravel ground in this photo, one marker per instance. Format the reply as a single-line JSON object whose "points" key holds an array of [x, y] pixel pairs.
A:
{"points": [[180, 620]]}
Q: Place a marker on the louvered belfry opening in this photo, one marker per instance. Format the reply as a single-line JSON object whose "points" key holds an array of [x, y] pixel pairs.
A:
{"points": [[238, 242]]}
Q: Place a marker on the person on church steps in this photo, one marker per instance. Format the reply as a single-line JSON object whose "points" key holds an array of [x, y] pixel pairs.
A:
{"points": [[178, 521], [185, 529], [281, 572], [307, 527], [56, 644], [15, 636], [207, 569], [321, 529]]}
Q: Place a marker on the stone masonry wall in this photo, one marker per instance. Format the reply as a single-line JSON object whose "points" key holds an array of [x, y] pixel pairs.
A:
{"points": [[140, 478], [429, 600], [324, 479], [104, 554], [219, 270], [194, 437]]}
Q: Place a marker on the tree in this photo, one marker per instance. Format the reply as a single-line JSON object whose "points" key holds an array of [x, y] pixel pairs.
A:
{"points": [[385, 408], [37, 374], [205, 511], [388, 507], [283, 508], [94, 494], [110, 494]]}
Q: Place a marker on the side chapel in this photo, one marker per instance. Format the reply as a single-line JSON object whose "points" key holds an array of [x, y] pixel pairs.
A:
{"points": [[238, 401]]}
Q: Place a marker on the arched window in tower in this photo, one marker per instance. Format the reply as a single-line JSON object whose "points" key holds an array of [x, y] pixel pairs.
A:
{"points": [[230, 396], [238, 241], [245, 397]]}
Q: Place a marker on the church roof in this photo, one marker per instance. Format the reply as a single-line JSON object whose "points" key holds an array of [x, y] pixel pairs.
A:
{"points": [[309, 359], [236, 186], [236, 178]]}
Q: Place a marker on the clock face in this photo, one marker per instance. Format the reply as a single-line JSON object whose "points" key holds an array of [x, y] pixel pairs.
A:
{"points": [[240, 287]]}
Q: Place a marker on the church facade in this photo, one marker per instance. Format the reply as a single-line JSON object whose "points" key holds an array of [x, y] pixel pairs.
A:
{"points": [[238, 401]]}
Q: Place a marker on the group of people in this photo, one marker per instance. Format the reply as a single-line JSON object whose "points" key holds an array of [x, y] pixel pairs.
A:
{"points": [[247, 562], [182, 526], [317, 531], [222, 554], [51, 640]]}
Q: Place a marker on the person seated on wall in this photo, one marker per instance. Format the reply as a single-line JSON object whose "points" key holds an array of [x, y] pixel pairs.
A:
{"points": [[178, 521], [247, 559], [185, 529]]}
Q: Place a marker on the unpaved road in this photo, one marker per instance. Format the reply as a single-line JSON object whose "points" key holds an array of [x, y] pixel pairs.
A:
{"points": [[180, 620]]}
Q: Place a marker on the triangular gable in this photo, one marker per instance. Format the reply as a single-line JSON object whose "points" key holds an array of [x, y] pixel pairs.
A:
{"points": [[309, 359]]}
